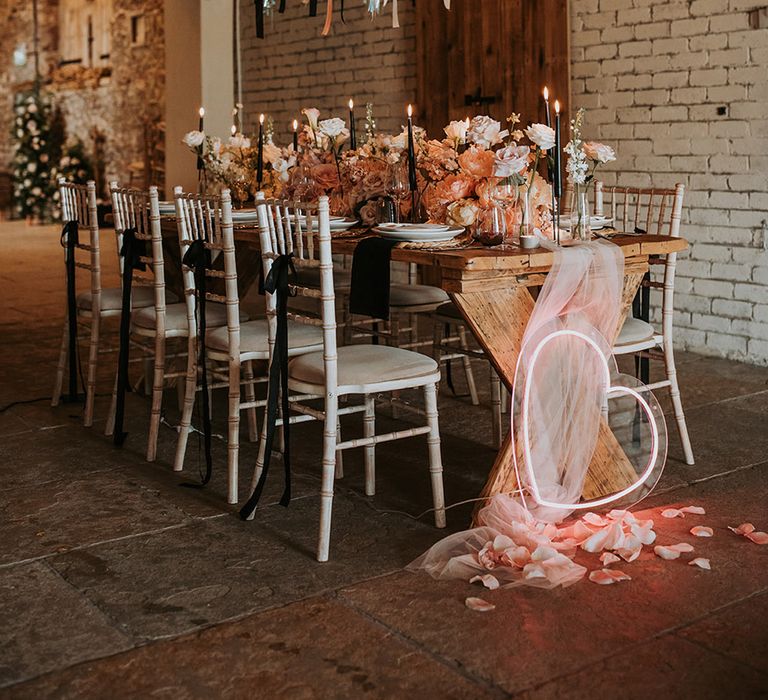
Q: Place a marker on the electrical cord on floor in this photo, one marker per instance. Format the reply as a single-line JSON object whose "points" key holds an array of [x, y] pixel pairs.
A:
{"points": [[21, 402]]}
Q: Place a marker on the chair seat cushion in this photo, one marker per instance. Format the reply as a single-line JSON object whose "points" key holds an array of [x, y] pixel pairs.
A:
{"points": [[310, 277], [176, 316], [112, 299], [634, 331], [254, 338], [415, 295], [363, 364], [449, 310]]}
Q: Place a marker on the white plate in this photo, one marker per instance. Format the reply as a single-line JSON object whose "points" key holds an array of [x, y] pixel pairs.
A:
{"points": [[415, 236], [413, 227]]}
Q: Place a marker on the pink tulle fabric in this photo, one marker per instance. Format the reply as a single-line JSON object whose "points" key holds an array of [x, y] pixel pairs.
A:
{"points": [[517, 540]]}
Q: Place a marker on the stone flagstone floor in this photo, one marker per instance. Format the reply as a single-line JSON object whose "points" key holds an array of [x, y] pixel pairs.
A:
{"points": [[114, 581]]}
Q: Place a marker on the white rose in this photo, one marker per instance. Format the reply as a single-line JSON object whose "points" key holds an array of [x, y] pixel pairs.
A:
{"points": [[282, 165], [485, 132], [239, 141], [542, 135], [510, 160], [271, 153], [463, 212], [331, 127], [457, 131], [193, 139], [599, 152]]}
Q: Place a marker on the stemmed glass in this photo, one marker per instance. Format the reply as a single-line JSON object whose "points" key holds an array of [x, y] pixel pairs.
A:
{"points": [[398, 186], [504, 194]]}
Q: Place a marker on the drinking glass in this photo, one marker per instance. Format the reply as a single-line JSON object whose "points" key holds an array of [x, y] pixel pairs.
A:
{"points": [[398, 186]]}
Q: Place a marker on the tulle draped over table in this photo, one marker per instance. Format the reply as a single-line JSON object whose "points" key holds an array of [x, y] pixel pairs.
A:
{"points": [[564, 368]]}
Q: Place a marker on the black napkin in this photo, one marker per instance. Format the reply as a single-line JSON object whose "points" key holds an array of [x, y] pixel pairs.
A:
{"points": [[69, 239], [132, 251], [277, 282], [369, 293]]}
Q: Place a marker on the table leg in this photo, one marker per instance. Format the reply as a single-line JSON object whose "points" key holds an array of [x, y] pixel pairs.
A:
{"points": [[498, 319]]}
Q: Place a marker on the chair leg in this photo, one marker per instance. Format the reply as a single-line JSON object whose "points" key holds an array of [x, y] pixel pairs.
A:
{"points": [[468, 366], [60, 368], [495, 407], [93, 356], [233, 436], [109, 430], [189, 406], [250, 396], [435, 459], [677, 403], [329, 469], [339, 473], [158, 382], [369, 430], [259, 459], [413, 333]]}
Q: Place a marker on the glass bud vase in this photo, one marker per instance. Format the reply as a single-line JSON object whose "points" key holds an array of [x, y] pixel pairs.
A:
{"points": [[526, 221], [582, 230]]}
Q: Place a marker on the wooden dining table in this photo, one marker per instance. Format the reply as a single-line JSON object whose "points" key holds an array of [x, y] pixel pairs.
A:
{"points": [[492, 287]]}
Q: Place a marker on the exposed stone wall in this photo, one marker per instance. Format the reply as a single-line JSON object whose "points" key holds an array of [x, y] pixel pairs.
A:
{"points": [[295, 67], [680, 88], [120, 103]]}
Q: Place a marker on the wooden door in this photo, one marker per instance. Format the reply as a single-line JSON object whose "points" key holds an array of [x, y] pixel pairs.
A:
{"points": [[490, 57]]}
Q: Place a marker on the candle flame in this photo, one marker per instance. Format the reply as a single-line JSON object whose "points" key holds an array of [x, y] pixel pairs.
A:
{"points": [[546, 94], [410, 111], [261, 119], [295, 124], [351, 104], [557, 106], [234, 130], [201, 112]]}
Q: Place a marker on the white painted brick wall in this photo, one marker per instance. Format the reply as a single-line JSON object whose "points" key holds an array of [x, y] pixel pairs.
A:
{"points": [[295, 67], [652, 74]]}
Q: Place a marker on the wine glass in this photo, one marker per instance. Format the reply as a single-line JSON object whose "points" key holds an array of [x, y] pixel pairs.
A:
{"points": [[398, 186]]}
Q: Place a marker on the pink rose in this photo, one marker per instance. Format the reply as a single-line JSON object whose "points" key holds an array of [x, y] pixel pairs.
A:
{"points": [[454, 187], [510, 160], [599, 152]]}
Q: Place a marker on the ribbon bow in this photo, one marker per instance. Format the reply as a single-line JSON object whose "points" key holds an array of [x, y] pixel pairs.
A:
{"points": [[276, 283], [69, 239], [198, 258], [132, 251]]}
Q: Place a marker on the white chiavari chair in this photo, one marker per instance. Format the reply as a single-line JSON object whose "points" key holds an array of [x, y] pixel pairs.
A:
{"points": [[78, 203], [236, 345], [331, 373], [656, 212], [153, 326]]}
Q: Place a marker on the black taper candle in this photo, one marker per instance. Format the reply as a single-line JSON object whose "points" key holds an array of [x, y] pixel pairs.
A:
{"points": [[352, 134], [260, 155], [295, 136], [558, 180], [411, 164]]}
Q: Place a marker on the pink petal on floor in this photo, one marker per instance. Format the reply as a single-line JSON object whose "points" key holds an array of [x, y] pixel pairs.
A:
{"points": [[701, 563], [488, 580], [672, 513], [702, 531], [757, 537], [743, 529], [696, 510], [681, 547], [605, 577], [666, 552], [607, 558], [594, 519], [479, 605]]}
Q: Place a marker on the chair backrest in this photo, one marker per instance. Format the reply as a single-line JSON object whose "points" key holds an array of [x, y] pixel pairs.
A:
{"points": [[654, 211], [208, 218], [78, 203], [140, 210], [303, 230]]}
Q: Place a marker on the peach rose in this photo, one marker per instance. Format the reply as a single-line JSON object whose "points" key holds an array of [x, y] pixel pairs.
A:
{"points": [[599, 152], [453, 188], [374, 183], [463, 213], [325, 176], [477, 162]]}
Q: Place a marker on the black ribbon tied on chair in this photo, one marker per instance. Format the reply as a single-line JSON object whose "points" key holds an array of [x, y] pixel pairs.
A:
{"points": [[70, 239], [277, 283], [132, 251], [198, 258]]}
